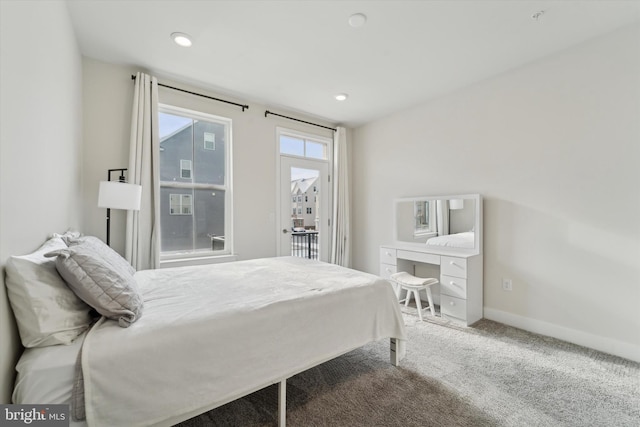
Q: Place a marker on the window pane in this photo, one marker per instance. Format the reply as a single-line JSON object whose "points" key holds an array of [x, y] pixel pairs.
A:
{"points": [[315, 150], [177, 228], [176, 148], [290, 145], [209, 164], [209, 220]]}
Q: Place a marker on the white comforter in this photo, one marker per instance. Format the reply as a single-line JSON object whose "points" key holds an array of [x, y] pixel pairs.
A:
{"points": [[211, 334]]}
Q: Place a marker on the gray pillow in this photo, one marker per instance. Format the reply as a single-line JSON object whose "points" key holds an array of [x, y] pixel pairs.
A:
{"points": [[100, 248], [102, 279]]}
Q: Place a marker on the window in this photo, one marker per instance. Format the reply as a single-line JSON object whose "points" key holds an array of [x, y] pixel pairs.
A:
{"points": [[180, 204], [424, 212], [296, 144], [309, 210], [185, 169], [209, 141], [195, 183]]}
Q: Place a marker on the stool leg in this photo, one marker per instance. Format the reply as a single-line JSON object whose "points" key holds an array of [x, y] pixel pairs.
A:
{"points": [[418, 303], [430, 299], [408, 298]]}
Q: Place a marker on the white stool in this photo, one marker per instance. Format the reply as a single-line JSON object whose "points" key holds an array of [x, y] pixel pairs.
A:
{"points": [[413, 285]]}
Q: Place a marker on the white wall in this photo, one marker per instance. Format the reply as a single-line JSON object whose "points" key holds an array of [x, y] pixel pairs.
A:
{"points": [[108, 92], [554, 148], [40, 141]]}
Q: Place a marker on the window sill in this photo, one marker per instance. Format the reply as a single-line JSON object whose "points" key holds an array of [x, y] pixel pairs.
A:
{"points": [[183, 262]]}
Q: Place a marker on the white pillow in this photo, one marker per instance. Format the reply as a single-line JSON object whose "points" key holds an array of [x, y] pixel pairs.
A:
{"points": [[46, 310]]}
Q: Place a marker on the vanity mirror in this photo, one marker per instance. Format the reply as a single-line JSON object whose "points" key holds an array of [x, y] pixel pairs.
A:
{"points": [[446, 223]]}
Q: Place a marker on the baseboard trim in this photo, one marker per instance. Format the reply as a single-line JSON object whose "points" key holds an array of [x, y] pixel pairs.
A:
{"points": [[596, 342]]}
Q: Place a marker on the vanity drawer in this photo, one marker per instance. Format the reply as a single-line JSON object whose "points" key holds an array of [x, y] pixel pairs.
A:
{"points": [[419, 257], [452, 266], [388, 256], [386, 270], [452, 306], [453, 286]]}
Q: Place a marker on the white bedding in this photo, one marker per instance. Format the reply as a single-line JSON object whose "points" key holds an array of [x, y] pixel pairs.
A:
{"points": [[45, 375], [211, 334], [457, 240]]}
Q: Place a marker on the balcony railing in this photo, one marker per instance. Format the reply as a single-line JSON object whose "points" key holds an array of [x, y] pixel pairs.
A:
{"points": [[304, 244]]}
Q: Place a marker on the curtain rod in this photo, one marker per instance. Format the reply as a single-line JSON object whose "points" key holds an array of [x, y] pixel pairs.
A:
{"points": [[199, 94], [267, 112]]}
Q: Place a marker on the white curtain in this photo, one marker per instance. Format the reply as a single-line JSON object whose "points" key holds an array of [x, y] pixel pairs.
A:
{"points": [[340, 242], [442, 217], [143, 227]]}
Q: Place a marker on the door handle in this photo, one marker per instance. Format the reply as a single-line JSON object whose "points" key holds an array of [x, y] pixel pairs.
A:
{"points": [[285, 231]]}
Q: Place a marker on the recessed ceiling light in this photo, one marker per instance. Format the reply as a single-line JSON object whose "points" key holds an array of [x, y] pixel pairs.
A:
{"points": [[357, 20], [182, 39], [341, 96]]}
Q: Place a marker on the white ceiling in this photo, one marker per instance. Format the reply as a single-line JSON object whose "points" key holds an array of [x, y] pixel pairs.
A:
{"points": [[297, 55]]}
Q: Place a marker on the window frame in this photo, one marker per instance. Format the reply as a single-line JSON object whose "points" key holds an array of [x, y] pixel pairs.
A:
{"points": [[227, 188]]}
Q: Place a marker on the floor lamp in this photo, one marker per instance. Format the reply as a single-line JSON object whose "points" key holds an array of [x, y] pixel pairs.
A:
{"points": [[118, 195]]}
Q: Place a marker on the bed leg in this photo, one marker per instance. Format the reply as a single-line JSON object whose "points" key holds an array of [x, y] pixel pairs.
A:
{"points": [[398, 349], [282, 403]]}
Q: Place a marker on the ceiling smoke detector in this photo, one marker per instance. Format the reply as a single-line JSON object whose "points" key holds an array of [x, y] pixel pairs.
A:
{"points": [[357, 20]]}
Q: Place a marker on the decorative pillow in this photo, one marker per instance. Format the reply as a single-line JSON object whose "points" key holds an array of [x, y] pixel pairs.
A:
{"points": [[100, 248], [101, 278], [47, 311]]}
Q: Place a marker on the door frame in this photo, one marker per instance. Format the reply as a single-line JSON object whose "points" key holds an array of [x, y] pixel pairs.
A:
{"points": [[328, 142]]}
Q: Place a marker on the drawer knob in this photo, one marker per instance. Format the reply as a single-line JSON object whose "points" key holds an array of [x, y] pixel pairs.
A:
{"points": [[452, 303], [452, 263], [388, 253], [388, 270]]}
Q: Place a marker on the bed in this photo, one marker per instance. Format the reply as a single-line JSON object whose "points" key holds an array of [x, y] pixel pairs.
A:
{"points": [[464, 240], [209, 335]]}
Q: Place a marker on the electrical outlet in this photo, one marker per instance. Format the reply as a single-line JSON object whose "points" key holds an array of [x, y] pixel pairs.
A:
{"points": [[507, 285]]}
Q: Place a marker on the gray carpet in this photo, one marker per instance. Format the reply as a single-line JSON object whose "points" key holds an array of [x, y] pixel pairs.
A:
{"points": [[486, 375]]}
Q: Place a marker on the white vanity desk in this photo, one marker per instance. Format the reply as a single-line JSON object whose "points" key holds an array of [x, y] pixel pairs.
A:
{"points": [[460, 270]]}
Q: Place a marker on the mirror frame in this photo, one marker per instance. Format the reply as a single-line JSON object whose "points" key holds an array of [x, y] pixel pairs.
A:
{"points": [[477, 198]]}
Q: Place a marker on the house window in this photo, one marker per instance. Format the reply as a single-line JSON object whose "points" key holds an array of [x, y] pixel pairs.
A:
{"points": [[195, 184], [209, 141], [180, 204], [309, 210], [185, 169]]}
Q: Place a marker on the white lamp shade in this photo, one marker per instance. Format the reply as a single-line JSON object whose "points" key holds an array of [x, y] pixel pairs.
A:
{"points": [[119, 195], [456, 204]]}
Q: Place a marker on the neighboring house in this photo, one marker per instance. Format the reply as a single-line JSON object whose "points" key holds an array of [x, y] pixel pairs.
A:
{"points": [[304, 203]]}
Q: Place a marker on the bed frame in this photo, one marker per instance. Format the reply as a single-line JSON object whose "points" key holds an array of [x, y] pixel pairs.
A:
{"points": [[397, 352]]}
